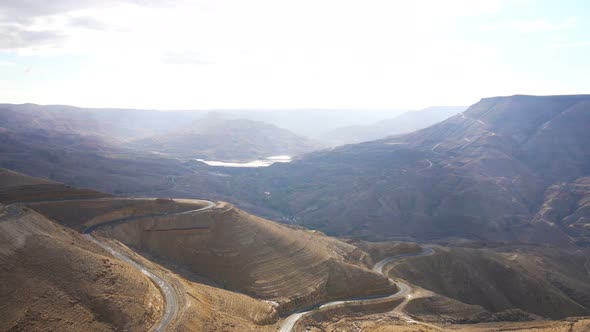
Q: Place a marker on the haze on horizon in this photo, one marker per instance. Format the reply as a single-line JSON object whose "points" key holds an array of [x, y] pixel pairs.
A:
{"points": [[279, 54]]}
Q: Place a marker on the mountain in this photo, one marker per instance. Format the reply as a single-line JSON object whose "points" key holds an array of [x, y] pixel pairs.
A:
{"points": [[404, 123], [78, 259], [117, 133], [481, 174], [94, 147], [311, 122], [109, 124], [484, 174], [215, 137]]}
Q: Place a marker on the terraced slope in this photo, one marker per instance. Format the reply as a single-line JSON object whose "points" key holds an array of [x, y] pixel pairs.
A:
{"points": [[54, 279], [295, 268]]}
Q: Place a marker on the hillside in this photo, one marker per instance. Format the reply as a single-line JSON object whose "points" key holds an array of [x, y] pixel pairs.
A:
{"points": [[210, 255], [567, 206], [502, 288], [57, 279], [403, 123], [53, 278], [219, 242], [101, 149], [481, 174], [231, 270], [215, 137], [551, 283]]}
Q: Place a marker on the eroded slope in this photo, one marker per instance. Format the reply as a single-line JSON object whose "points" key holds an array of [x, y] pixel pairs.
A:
{"points": [[53, 278], [546, 282], [242, 252]]}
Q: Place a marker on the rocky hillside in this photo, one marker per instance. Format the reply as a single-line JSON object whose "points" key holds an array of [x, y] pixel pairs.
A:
{"points": [[481, 174], [54, 279], [566, 205], [551, 283], [258, 257], [210, 255]]}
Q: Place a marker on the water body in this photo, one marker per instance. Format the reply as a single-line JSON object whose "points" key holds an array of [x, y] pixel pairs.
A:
{"points": [[255, 163]]}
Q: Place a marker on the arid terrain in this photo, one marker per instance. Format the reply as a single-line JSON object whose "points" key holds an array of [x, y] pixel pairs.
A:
{"points": [[294, 166], [468, 225], [489, 173], [98, 262], [205, 252]]}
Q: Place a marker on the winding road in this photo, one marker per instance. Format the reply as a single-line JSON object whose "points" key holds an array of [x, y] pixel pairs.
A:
{"points": [[403, 290], [170, 297], [168, 292], [427, 167]]}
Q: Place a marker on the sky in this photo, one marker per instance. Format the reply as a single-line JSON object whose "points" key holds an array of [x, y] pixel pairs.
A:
{"points": [[164, 54]]}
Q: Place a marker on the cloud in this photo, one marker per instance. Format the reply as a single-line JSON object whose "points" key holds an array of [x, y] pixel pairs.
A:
{"points": [[18, 38], [25, 11], [269, 53], [29, 25], [87, 22]]}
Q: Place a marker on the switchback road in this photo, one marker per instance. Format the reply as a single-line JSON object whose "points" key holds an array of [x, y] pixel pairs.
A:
{"points": [[403, 290], [15, 210]]}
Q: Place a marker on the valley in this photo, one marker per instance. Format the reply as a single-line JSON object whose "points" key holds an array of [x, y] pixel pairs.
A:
{"points": [[294, 166], [186, 249], [466, 225]]}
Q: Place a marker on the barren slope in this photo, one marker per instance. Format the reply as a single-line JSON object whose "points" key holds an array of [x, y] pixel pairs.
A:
{"points": [[53, 278], [391, 323], [479, 175], [547, 282], [293, 268], [567, 206], [242, 252]]}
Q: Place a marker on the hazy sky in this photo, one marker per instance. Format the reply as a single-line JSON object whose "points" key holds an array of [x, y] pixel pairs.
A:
{"points": [[289, 54]]}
